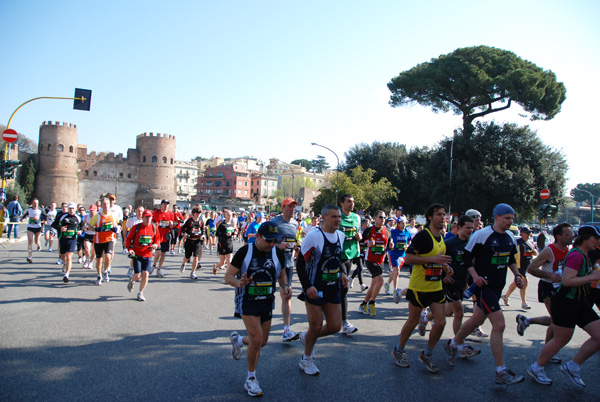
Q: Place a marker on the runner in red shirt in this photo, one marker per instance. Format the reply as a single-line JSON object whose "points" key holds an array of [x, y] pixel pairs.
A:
{"points": [[143, 238], [165, 220]]}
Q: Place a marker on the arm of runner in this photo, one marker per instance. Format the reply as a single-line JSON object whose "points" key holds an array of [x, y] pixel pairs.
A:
{"points": [[309, 289], [534, 268]]}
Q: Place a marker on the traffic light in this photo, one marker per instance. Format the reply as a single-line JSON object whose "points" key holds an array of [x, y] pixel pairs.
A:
{"points": [[546, 211], [86, 95], [8, 169], [542, 214]]}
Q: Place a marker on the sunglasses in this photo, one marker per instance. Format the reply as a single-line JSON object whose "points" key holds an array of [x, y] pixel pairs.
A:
{"points": [[272, 241], [380, 217]]}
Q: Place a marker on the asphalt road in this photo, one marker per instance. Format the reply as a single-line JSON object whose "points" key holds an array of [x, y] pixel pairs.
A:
{"points": [[80, 342]]}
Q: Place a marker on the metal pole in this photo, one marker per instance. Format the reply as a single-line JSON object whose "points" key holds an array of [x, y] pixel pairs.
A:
{"points": [[337, 172], [592, 206]]}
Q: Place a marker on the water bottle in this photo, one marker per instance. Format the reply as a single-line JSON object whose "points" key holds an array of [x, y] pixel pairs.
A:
{"points": [[471, 289], [320, 294], [556, 285]]}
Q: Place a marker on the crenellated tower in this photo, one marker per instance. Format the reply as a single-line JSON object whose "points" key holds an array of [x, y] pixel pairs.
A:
{"points": [[56, 179], [156, 175]]}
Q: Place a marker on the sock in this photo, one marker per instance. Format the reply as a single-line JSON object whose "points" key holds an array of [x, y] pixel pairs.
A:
{"points": [[67, 275], [500, 369], [251, 374], [306, 357], [399, 349], [240, 341], [428, 351], [453, 344], [536, 367], [573, 366]]}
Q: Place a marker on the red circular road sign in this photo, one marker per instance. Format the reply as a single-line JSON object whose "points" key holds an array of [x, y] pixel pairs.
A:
{"points": [[545, 194], [9, 135]]}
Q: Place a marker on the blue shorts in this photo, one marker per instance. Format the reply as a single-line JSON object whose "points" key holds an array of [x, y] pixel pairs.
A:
{"points": [[141, 264], [67, 245], [488, 300], [396, 262]]}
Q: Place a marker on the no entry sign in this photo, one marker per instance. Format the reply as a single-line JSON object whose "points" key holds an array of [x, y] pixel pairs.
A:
{"points": [[9, 135], [545, 194]]}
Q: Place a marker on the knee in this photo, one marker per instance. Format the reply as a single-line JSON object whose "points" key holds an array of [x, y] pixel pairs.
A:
{"points": [[499, 327]]}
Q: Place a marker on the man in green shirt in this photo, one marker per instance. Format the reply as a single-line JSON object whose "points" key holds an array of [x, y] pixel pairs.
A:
{"points": [[350, 226]]}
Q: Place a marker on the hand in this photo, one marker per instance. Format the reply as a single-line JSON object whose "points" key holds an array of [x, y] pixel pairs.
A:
{"points": [[63, 229], [441, 258], [519, 282], [556, 278], [448, 279], [244, 281], [595, 275], [311, 293], [286, 292], [131, 252], [344, 280], [480, 281], [154, 246], [448, 269]]}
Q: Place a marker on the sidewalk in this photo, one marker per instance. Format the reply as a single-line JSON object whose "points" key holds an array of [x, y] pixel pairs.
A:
{"points": [[21, 239]]}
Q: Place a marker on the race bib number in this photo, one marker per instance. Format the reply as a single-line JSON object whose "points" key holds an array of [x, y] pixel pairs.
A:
{"points": [[330, 276], [378, 249], [500, 259], [107, 226], [260, 289], [164, 224], [32, 221], [349, 232], [459, 256], [196, 232], [144, 240], [433, 272], [69, 234], [400, 246]]}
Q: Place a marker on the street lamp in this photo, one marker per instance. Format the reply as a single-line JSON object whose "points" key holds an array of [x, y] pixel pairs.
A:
{"points": [[592, 206], [337, 171]]}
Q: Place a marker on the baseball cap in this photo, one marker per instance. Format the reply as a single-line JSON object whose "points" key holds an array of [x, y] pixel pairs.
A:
{"points": [[401, 219], [269, 231], [112, 197], [93, 207], [288, 201], [524, 229], [72, 205], [260, 215], [473, 213], [146, 212], [165, 202], [399, 208], [588, 230]]}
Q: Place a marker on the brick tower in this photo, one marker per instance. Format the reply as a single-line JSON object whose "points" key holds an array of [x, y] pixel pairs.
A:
{"points": [[156, 175]]}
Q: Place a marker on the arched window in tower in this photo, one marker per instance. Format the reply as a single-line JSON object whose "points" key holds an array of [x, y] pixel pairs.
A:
{"points": [[129, 175], [95, 173], [154, 159], [121, 175], [144, 159], [164, 159], [71, 148], [171, 161], [60, 148], [49, 147], [87, 172]]}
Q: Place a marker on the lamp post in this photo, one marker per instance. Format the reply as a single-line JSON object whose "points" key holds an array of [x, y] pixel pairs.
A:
{"points": [[592, 206], [337, 171]]}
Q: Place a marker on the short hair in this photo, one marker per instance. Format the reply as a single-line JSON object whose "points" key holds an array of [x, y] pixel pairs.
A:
{"points": [[343, 198], [325, 210], [196, 210], [558, 229], [464, 219], [432, 209]]}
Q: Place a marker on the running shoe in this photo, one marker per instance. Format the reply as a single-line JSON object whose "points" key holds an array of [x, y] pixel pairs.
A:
{"points": [[539, 376], [348, 328], [521, 324], [450, 353], [172, 252], [505, 300], [428, 362], [193, 276], [422, 324], [49, 250], [59, 261], [289, 335], [507, 377], [159, 273], [141, 297], [99, 280], [363, 308], [555, 360], [372, 309], [214, 269], [363, 288], [30, 260], [525, 306], [308, 366], [397, 295], [351, 283], [182, 268], [468, 351], [79, 260], [39, 248], [130, 272], [387, 288], [152, 269], [479, 333], [573, 375], [303, 337], [400, 357], [130, 285], [106, 277], [236, 350], [65, 279], [252, 387]]}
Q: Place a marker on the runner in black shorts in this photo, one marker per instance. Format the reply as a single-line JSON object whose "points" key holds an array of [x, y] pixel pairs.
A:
{"points": [[193, 232], [254, 271], [225, 233], [570, 308], [69, 229]]}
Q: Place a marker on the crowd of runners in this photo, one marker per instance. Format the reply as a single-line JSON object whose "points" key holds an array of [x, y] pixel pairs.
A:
{"points": [[329, 251]]}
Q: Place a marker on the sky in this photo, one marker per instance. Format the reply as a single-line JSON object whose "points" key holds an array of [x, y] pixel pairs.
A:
{"points": [[232, 78]]}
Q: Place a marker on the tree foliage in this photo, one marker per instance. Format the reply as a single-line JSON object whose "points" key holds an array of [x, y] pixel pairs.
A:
{"points": [[583, 196], [27, 179], [369, 195], [319, 164], [476, 81], [305, 163]]}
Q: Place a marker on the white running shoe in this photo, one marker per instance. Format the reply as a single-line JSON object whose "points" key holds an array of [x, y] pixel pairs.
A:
{"points": [[348, 328], [251, 386], [308, 366], [236, 350]]}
